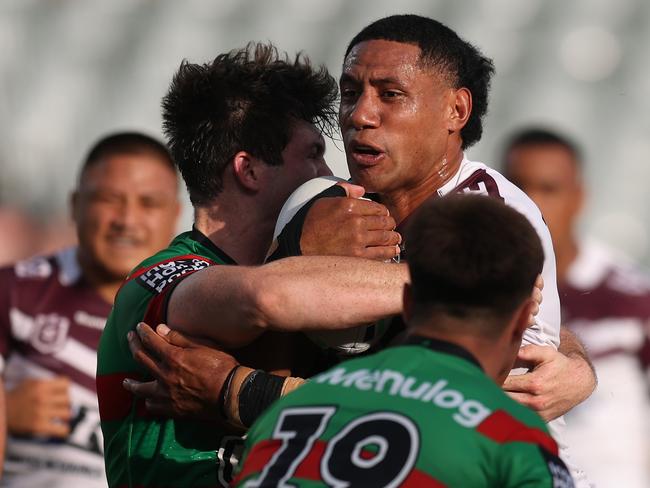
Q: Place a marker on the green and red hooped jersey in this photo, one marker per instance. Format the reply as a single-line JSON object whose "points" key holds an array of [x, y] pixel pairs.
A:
{"points": [[142, 450], [416, 415]]}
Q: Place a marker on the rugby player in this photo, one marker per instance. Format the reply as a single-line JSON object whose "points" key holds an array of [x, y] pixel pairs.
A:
{"points": [[53, 310], [413, 95], [605, 300], [244, 132], [427, 411]]}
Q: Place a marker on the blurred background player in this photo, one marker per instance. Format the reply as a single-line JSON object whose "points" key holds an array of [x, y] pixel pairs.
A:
{"points": [[606, 300], [53, 310], [427, 411]]}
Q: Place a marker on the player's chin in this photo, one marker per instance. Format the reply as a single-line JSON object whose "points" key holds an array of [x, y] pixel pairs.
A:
{"points": [[120, 263]]}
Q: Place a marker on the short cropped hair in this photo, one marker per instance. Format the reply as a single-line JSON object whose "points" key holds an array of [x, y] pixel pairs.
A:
{"points": [[471, 256], [442, 49], [120, 143], [539, 136], [244, 100]]}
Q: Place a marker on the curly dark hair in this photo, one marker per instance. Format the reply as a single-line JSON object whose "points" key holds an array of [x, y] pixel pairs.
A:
{"points": [[245, 100], [442, 49]]}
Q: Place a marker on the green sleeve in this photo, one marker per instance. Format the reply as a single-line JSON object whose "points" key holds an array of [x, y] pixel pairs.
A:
{"points": [[529, 465]]}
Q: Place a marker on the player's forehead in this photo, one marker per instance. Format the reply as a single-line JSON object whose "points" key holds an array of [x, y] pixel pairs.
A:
{"points": [[378, 59], [543, 161], [305, 134], [129, 172]]}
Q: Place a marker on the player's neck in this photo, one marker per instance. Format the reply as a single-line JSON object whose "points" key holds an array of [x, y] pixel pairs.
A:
{"points": [[238, 230], [105, 284], [565, 253], [404, 201], [482, 349]]}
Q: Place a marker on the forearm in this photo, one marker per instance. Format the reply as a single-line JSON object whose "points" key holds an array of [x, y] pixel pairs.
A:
{"points": [[326, 292], [582, 369], [233, 305]]}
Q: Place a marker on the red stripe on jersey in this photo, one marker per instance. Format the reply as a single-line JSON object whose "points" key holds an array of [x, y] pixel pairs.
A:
{"points": [[309, 467], [259, 456], [116, 401], [502, 428], [156, 313]]}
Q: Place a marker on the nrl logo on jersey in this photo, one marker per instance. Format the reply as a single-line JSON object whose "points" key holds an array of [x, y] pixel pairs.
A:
{"points": [[157, 278]]}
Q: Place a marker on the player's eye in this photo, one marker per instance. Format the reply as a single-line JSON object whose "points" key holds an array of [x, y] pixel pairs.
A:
{"points": [[391, 93], [348, 93]]}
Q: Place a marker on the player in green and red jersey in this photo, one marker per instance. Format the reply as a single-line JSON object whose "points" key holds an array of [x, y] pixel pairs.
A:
{"points": [[244, 132], [427, 412]]}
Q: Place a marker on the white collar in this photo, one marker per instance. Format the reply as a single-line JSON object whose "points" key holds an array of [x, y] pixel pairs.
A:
{"points": [[455, 180]]}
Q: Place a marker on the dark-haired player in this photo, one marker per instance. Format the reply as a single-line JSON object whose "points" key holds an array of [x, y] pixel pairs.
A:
{"points": [[53, 310], [244, 132], [427, 411]]}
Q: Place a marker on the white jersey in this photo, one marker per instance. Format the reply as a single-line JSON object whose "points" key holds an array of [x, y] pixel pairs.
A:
{"points": [[606, 302], [50, 325], [475, 177]]}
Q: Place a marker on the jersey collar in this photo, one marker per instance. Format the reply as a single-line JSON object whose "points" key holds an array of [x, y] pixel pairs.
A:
{"points": [[205, 241], [445, 347]]}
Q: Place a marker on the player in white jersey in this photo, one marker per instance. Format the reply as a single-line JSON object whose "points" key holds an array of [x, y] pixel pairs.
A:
{"points": [[53, 310], [606, 301]]}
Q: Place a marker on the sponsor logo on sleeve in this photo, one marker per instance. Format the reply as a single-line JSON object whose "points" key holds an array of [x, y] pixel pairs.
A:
{"points": [[559, 472], [160, 276]]}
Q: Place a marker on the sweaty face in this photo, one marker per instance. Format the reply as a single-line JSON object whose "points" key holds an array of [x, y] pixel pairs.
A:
{"points": [[548, 174], [393, 116], [303, 159], [125, 210]]}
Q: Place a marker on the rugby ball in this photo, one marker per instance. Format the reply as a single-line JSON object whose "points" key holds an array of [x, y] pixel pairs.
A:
{"points": [[350, 341]]}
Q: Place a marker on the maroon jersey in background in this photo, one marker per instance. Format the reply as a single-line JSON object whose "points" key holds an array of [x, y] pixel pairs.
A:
{"points": [[606, 301], [50, 325]]}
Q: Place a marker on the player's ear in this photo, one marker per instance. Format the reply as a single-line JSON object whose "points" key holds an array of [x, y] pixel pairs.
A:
{"points": [[520, 319], [407, 301], [460, 108], [248, 170]]}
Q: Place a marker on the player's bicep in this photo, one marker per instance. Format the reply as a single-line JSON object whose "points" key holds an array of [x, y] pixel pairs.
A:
{"points": [[219, 303]]}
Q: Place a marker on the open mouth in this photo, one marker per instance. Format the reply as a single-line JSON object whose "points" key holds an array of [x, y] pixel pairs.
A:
{"points": [[367, 150], [366, 154]]}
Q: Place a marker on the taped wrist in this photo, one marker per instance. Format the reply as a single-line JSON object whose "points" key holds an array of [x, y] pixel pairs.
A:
{"points": [[257, 392], [225, 392]]}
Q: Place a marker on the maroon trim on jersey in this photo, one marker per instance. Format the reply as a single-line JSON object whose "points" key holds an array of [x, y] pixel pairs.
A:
{"points": [[501, 427], [644, 353], [309, 468], [602, 301], [117, 402], [61, 368], [472, 183]]}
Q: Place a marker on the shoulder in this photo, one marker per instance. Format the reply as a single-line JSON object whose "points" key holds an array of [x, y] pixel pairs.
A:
{"points": [[61, 267]]}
